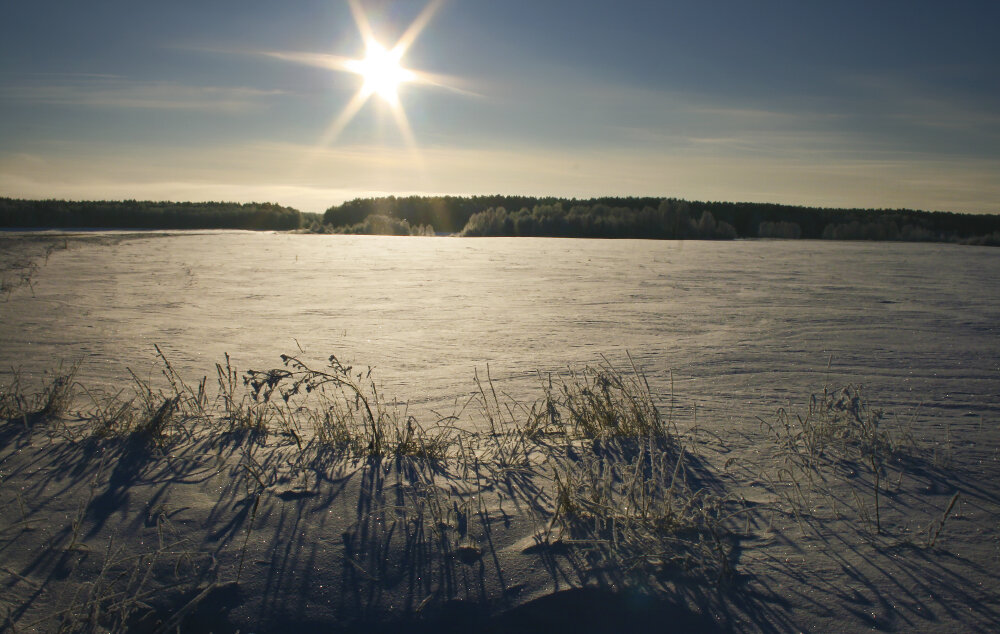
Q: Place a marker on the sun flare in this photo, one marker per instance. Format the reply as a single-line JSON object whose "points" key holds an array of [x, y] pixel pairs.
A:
{"points": [[381, 71]]}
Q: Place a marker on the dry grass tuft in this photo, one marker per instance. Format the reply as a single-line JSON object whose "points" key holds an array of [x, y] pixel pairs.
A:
{"points": [[839, 437], [52, 402], [605, 403], [240, 412], [353, 415]]}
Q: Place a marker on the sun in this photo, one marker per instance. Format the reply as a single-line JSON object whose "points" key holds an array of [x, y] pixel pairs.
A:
{"points": [[381, 71]]}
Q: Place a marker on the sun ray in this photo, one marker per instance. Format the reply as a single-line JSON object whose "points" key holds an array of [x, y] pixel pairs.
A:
{"points": [[360, 19], [345, 116], [413, 31], [447, 82], [318, 60], [403, 123]]}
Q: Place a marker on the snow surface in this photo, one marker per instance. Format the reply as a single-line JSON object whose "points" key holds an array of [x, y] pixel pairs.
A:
{"points": [[741, 327], [738, 328]]}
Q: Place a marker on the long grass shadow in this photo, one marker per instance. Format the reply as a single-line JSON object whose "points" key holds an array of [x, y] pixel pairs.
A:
{"points": [[860, 520]]}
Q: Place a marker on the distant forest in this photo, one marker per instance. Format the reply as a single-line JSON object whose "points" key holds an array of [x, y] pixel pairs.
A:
{"points": [[131, 214], [654, 218]]}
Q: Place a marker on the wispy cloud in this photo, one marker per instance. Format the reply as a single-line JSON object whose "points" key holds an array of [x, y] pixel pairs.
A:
{"points": [[913, 101], [108, 91]]}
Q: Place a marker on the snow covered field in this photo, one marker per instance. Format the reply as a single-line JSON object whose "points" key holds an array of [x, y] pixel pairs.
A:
{"points": [[741, 326], [848, 520]]}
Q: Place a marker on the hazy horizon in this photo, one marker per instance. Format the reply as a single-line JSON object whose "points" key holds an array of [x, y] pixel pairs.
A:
{"points": [[846, 105]]}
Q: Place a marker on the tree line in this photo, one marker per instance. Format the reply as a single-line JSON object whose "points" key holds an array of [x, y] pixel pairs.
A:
{"points": [[446, 214], [655, 218], [133, 214], [607, 217], [375, 225], [668, 221]]}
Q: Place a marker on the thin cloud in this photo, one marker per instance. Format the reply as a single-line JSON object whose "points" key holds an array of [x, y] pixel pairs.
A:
{"points": [[912, 100], [105, 91]]}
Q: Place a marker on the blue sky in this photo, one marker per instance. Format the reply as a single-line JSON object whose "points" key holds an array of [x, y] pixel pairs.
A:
{"points": [[870, 104]]}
